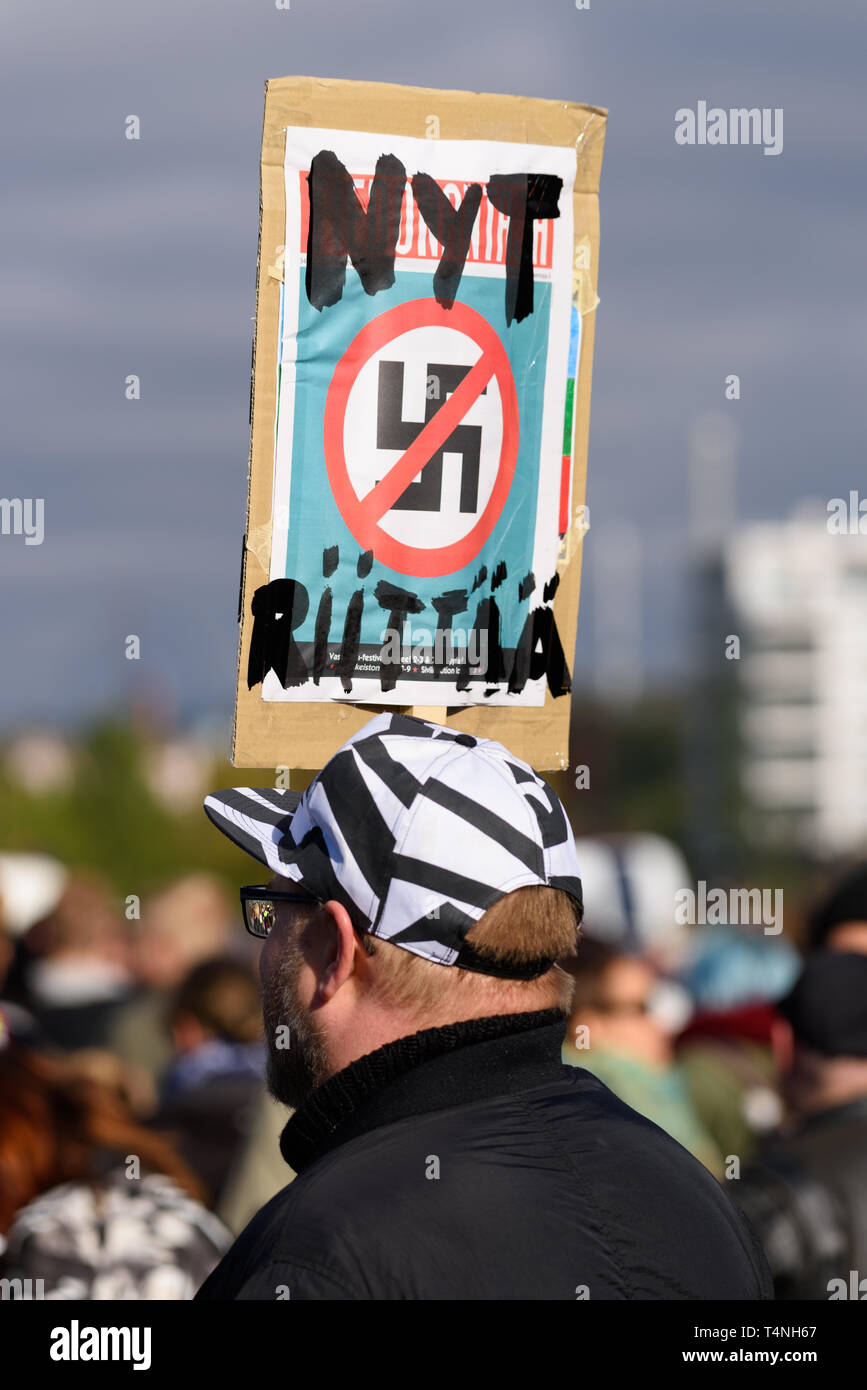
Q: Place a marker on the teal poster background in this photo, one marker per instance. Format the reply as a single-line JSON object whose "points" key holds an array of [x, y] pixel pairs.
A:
{"points": [[315, 522]]}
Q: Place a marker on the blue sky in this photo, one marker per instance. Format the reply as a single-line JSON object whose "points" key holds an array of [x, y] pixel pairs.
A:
{"points": [[139, 257]]}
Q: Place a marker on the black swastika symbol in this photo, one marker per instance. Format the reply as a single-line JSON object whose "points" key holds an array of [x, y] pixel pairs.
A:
{"points": [[424, 494]]}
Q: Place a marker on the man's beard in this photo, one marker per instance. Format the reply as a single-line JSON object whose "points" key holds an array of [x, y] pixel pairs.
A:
{"points": [[300, 1064]]}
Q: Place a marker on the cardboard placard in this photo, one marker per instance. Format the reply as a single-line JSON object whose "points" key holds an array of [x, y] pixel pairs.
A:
{"points": [[420, 410]]}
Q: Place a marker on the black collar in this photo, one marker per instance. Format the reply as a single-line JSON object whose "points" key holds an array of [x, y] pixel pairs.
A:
{"points": [[420, 1073]]}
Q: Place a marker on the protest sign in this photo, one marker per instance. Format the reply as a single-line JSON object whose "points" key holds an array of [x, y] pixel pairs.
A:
{"points": [[420, 407]]}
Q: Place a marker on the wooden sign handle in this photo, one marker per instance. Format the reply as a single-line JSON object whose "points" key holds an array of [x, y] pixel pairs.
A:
{"points": [[435, 714]]}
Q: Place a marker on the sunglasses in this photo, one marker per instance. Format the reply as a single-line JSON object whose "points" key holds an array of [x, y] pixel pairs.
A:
{"points": [[259, 906]]}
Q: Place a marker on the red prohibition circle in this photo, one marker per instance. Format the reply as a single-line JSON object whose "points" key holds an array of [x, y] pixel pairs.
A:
{"points": [[410, 559]]}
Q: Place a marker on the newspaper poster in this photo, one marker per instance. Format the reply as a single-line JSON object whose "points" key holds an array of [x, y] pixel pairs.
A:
{"points": [[425, 428], [419, 425]]}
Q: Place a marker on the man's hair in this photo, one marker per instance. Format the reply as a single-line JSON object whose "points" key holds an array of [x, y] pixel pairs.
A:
{"points": [[527, 925]]}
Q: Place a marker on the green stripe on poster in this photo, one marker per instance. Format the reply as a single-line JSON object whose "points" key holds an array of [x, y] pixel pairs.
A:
{"points": [[567, 422]]}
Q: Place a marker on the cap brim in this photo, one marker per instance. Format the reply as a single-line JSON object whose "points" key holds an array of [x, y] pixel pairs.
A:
{"points": [[256, 819]]}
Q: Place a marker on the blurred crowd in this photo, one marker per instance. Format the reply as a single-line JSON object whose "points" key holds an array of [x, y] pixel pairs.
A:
{"points": [[753, 1055], [137, 1137]]}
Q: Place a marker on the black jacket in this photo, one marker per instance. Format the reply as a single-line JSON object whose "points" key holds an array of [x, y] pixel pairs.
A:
{"points": [[806, 1195], [468, 1163]]}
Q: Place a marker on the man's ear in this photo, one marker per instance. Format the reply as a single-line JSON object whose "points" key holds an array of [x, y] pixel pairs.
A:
{"points": [[340, 948]]}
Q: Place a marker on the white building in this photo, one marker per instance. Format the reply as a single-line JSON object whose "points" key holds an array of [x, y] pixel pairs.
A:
{"points": [[799, 596]]}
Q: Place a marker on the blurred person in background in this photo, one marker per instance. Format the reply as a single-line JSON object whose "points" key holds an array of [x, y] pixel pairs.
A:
{"points": [[630, 882], [259, 1170], [838, 921], [91, 1203], [806, 1193], [209, 1094], [617, 1032], [77, 975], [30, 888], [736, 1043], [188, 922]]}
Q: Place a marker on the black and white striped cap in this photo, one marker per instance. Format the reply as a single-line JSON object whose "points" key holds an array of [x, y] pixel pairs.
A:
{"points": [[416, 829]]}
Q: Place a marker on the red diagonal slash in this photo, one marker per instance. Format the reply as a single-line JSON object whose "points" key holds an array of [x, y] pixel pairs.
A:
{"points": [[383, 496], [363, 514]]}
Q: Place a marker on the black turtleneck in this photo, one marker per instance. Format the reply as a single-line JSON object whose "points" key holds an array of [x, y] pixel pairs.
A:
{"points": [[548, 1182], [421, 1073]]}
